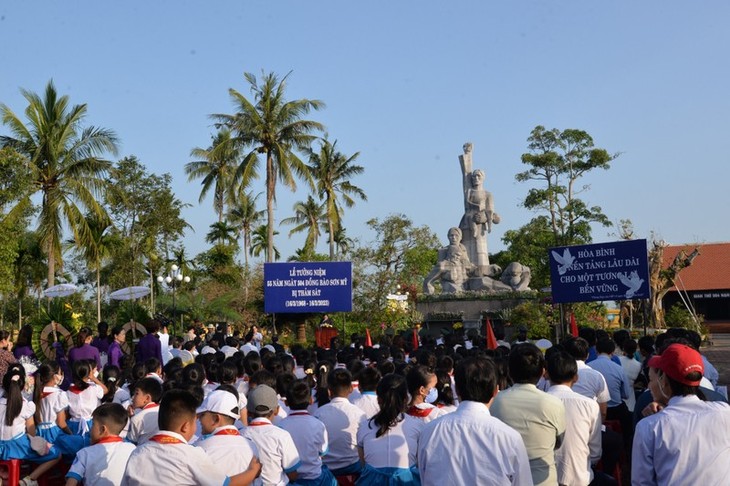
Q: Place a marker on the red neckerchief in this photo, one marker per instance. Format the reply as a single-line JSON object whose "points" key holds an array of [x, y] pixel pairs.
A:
{"points": [[294, 414], [45, 394], [258, 422], [74, 389], [418, 412], [233, 431], [166, 439], [109, 439], [150, 405]]}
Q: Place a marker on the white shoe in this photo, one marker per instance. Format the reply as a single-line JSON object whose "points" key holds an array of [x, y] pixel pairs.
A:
{"points": [[27, 481]]}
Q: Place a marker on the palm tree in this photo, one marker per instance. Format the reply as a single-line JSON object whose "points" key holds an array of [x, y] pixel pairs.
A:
{"points": [[332, 171], [65, 163], [221, 233], [260, 243], [308, 216], [343, 243], [273, 127], [217, 166], [244, 215]]}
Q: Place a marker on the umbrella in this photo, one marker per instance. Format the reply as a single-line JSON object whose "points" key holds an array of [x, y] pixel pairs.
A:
{"points": [[130, 293], [60, 290]]}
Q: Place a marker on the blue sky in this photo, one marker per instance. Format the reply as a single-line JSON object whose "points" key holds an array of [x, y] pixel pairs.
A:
{"points": [[406, 84]]}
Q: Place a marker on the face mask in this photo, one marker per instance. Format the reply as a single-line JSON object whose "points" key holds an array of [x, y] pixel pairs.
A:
{"points": [[96, 373], [433, 394]]}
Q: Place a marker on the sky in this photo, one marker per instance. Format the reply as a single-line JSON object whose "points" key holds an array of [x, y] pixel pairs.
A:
{"points": [[406, 84]]}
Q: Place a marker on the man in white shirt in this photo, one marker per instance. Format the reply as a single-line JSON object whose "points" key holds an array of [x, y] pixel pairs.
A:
{"points": [[446, 448], [581, 448], [687, 442]]}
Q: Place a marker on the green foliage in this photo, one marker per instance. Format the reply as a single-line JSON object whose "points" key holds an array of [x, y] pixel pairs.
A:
{"points": [[310, 217], [528, 245], [132, 311], [589, 314], [679, 316], [536, 316]]}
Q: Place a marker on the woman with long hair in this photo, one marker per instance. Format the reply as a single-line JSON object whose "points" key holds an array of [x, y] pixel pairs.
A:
{"points": [[388, 442], [422, 389], [83, 349], [24, 343]]}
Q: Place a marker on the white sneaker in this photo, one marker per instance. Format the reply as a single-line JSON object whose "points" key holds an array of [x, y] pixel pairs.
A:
{"points": [[27, 481]]}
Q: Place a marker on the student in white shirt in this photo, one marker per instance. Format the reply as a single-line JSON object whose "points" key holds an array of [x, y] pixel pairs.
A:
{"points": [[368, 400], [341, 418], [222, 441], [446, 447], [422, 390], [167, 458], [446, 402], [388, 442], [631, 367], [51, 402], [103, 463], [143, 424], [112, 378], [309, 436], [277, 452], [581, 448]]}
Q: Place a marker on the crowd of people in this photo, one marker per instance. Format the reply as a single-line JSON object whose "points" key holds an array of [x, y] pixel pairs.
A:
{"points": [[214, 407]]}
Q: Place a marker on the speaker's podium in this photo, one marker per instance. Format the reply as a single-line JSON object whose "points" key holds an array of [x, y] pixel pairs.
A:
{"points": [[323, 336]]}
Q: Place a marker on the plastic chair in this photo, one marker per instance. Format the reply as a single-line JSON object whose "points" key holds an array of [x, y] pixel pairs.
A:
{"points": [[13, 466]]}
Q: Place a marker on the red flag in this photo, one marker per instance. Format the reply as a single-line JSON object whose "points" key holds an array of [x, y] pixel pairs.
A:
{"points": [[491, 338], [415, 339], [573, 325], [368, 339]]}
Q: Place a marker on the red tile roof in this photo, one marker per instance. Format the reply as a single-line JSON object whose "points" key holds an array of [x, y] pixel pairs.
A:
{"points": [[709, 271]]}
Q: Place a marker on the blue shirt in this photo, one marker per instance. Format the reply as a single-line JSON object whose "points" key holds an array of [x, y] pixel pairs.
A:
{"points": [[618, 384]]}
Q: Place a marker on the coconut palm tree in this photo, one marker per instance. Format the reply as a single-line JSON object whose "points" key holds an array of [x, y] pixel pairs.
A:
{"points": [[343, 243], [332, 172], [221, 233], [66, 166], [259, 243], [244, 216], [216, 166], [308, 216], [271, 126]]}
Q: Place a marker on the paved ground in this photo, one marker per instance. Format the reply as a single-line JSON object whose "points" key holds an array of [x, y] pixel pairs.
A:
{"points": [[719, 355]]}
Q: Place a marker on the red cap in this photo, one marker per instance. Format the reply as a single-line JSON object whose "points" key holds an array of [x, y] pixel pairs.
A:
{"points": [[677, 361]]}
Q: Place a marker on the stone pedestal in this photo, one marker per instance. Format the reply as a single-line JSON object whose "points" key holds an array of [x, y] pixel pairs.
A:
{"points": [[471, 310]]}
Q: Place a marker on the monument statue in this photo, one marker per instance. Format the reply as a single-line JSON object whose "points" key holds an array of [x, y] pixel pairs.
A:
{"points": [[464, 263]]}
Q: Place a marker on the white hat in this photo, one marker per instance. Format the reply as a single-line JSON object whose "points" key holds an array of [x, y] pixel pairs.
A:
{"points": [[222, 402], [207, 350]]}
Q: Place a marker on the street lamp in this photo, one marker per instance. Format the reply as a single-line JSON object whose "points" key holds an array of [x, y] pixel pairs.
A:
{"points": [[174, 279]]}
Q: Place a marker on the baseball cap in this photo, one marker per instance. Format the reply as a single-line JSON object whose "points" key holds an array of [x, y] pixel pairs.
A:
{"points": [[262, 400], [222, 402], [677, 361]]}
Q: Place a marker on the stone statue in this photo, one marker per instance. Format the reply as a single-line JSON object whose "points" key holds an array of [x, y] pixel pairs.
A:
{"points": [[453, 267], [478, 216], [516, 276]]}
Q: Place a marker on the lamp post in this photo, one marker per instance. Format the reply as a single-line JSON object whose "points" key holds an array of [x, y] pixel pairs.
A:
{"points": [[174, 279]]}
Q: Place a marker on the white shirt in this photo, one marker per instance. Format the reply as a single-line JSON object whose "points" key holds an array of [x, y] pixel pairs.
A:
{"points": [[143, 424], [632, 368], [341, 418], [277, 452], [310, 438], [82, 404], [426, 412], [396, 448], [101, 464], [8, 432], [686, 443], [368, 403], [176, 462], [446, 450], [121, 396], [231, 453], [582, 443], [53, 400], [591, 383]]}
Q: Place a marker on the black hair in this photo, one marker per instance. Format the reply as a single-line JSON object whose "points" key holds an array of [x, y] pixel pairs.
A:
{"points": [[252, 363], [263, 377], [176, 406], [151, 387], [112, 376], [369, 379], [287, 363], [25, 336], [577, 347], [339, 381], [13, 384], [526, 363], [605, 346], [113, 415], [445, 363], [103, 328], [629, 347], [116, 330], [189, 345], [44, 375], [418, 376], [139, 370], [646, 344], [393, 400], [274, 365], [284, 382], [153, 326], [227, 372], [561, 367], [82, 335], [443, 386], [386, 367], [589, 334], [323, 393], [298, 396], [620, 336], [80, 371], [476, 379], [151, 365]]}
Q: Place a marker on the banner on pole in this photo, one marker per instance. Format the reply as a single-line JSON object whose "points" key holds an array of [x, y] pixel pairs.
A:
{"points": [[304, 287]]}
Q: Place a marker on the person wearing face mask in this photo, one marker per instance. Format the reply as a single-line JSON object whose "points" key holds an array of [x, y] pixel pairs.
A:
{"points": [[50, 402], [536, 415], [422, 390], [687, 441]]}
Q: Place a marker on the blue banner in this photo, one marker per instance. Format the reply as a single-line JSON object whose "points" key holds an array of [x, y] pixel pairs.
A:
{"points": [[605, 271], [303, 287]]}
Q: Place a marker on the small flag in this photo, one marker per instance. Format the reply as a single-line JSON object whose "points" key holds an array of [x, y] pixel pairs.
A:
{"points": [[573, 325], [415, 339], [368, 339], [491, 338]]}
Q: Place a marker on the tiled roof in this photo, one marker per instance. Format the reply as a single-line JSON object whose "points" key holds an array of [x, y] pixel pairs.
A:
{"points": [[709, 271]]}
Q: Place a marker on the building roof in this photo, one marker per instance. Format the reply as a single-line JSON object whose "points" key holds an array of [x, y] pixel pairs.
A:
{"points": [[709, 271]]}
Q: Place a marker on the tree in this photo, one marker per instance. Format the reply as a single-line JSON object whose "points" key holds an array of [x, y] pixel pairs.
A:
{"points": [[528, 245], [662, 279], [244, 216], [260, 243], [343, 243], [557, 161], [217, 168], [66, 165], [332, 172], [308, 216], [273, 127], [221, 233]]}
